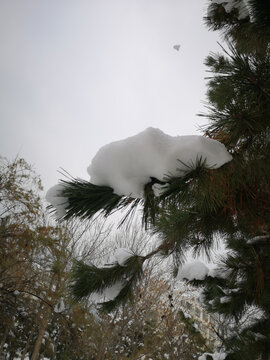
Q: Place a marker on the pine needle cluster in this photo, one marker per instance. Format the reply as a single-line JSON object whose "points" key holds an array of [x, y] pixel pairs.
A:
{"points": [[85, 199], [90, 279]]}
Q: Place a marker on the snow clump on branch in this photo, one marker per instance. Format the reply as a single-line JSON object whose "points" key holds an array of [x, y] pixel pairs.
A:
{"points": [[195, 270], [128, 165], [121, 255], [215, 356], [59, 202]]}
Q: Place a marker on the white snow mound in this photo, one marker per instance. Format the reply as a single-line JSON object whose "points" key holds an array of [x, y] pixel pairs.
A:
{"points": [[108, 293], [127, 165], [121, 255], [215, 356], [193, 271], [60, 203]]}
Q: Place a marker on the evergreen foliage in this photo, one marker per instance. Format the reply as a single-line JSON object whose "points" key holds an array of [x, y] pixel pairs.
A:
{"points": [[86, 200], [250, 34], [89, 279]]}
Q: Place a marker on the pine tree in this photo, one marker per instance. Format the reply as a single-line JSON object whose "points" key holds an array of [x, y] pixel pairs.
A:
{"points": [[231, 202]]}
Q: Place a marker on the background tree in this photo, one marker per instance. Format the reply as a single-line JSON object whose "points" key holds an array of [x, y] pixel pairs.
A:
{"points": [[38, 317]]}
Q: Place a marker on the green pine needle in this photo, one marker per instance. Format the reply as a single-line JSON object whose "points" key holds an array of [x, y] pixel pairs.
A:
{"points": [[89, 279], [85, 200]]}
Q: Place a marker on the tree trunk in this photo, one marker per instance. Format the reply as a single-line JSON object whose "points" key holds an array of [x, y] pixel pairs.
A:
{"points": [[27, 345], [44, 321], [41, 332], [8, 327]]}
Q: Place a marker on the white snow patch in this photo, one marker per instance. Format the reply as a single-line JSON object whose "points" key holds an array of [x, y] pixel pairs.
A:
{"points": [[59, 202], [158, 189], [219, 273], [60, 307], [121, 255], [127, 165], [111, 292], [215, 356], [195, 270], [257, 239], [225, 299], [259, 336], [108, 293]]}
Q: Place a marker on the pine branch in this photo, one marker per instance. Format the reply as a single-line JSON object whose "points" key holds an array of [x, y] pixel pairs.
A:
{"points": [[125, 295], [86, 199], [151, 203], [89, 279], [200, 185]]}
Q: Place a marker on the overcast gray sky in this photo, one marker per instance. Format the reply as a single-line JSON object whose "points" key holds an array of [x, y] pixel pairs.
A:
{"points": [[78, 74]]}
